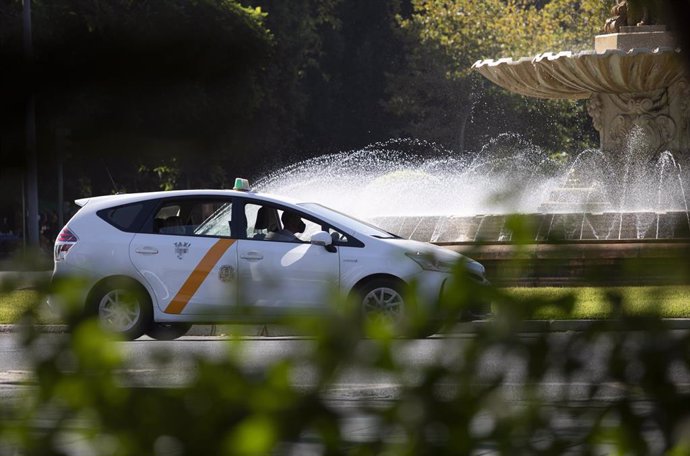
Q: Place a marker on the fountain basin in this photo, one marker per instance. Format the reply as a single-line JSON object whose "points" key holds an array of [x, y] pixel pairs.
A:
{"points": [[578, 75], [542, 227]]}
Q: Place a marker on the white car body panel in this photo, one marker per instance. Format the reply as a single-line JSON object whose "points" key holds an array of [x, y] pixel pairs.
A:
{"points": [[284, 275], [180, 255]]}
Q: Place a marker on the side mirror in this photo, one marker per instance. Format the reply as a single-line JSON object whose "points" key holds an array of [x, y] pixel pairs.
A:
{"points": [[323, 239]]}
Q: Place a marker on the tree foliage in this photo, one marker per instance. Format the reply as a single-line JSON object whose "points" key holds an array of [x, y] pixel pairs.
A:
{"points": [[139, 49], [446, 37], [325, 87], [466, 31], [119, 75], [226, 89]]}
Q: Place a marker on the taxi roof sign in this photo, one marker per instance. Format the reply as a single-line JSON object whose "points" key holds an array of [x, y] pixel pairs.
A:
{"points": [[241, 184]]}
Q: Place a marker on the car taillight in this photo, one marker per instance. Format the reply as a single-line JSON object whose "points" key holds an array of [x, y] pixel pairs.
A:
{"points": [[66, 236], [65, 240]]}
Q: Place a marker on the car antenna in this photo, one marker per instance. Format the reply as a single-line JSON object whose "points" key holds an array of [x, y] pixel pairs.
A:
{"points": [[117, 192]]}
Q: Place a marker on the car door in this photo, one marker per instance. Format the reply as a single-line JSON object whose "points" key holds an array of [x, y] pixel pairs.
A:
{"points": [[278, 275], [187, 255]]}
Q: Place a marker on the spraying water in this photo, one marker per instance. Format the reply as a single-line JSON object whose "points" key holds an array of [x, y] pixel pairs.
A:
{"points": [[409, 177], [420, 190], [507, 175]]}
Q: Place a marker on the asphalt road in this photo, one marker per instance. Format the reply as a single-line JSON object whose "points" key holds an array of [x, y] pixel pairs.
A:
{"points": [[257, 353]]}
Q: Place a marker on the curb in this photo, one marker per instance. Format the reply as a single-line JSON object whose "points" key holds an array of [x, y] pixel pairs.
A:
{"points": [[268, 331], [195, 331]]}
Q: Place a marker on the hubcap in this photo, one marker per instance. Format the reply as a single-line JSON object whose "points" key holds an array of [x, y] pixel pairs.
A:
{"points": [[383, 302], [119, 310]]}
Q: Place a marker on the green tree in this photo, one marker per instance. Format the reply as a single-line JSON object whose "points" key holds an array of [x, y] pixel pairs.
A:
{"points": [[438, 90], [290, 82], [328, 75]]}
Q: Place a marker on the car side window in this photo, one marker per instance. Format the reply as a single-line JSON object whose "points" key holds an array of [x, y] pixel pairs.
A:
{"points": [[338, 237], [265, 222], [193, 217], [261, 220], [126, 218], [311, 227], [314, 226]]}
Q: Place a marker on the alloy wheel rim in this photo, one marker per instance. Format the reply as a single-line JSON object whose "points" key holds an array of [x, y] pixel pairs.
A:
{"points": [[119, 310], [383, 302]]}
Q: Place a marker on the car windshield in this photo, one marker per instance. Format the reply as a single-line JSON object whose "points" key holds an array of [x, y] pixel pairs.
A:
{"points": [[346, 221]]}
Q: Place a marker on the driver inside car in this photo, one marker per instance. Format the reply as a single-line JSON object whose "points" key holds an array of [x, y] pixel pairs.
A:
{"points": [[292, 224]]}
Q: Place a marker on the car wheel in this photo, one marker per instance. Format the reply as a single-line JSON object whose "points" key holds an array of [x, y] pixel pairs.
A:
{"points": [[123, 307], [382, 299], [167, 331]]}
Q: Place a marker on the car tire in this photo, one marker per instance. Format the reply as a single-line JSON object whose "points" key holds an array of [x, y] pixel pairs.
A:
{"points": [[167, 331], [123, 307]]}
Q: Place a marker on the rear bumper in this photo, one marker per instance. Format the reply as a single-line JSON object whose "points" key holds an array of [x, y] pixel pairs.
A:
{"points": [[69, 287]]}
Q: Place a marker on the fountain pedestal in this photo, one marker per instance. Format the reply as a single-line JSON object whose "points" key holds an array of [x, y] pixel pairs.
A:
{"points": [[660, 116], [635, 37]]}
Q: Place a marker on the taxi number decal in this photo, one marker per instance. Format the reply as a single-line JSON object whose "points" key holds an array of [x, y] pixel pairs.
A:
{"points": [[197, 277]]}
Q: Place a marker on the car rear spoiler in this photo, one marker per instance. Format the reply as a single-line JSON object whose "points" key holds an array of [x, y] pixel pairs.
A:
{"points": [[81, 202]]}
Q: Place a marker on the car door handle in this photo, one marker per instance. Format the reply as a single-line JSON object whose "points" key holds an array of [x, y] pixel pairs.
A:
{"points": [[252, 256], [146, 250]]}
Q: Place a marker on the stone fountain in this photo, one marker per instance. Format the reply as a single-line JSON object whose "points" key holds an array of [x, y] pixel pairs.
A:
{"points": [[638, 96], [632, 79]]}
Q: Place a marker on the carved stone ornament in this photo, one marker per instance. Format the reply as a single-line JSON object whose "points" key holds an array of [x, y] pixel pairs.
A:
{"points": [[647, 113], [680, 110], [631, 13], [595, 110], [619, 17]]}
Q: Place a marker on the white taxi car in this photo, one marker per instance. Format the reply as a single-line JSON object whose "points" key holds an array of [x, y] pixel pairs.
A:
{"points": [[156, 263]]}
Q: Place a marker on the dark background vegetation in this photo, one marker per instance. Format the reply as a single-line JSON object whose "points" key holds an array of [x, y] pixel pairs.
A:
{"points": [[161, 94], [175, 94]]}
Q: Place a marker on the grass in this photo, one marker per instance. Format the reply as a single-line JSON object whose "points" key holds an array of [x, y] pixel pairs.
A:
{"points": [[589, 302], [16, 303], [595, 302]]}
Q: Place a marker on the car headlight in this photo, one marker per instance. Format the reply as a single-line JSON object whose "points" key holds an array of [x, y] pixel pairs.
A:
{"points": [[475, 268], [429, 263]]}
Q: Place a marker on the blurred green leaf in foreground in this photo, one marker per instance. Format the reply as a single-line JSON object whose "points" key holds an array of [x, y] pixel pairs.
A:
{"points": [[620, 390]]}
